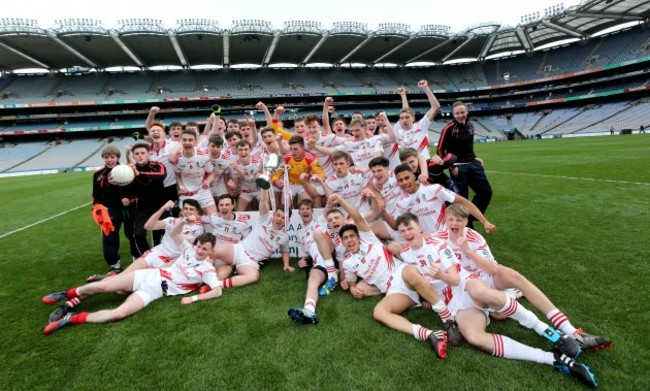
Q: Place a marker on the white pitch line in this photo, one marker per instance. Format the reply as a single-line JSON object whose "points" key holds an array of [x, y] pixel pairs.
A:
{"points": [[577, 178], [44, 220]]}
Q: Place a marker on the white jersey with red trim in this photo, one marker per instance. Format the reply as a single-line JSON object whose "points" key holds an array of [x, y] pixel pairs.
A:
{"points": [[428, 204], [362, 152], [391, 151], [306, 241], [262, 242], [433, 252], [349, 187], [417, 137], [260, 149], [221, 165], [231, 231], [187, 273], [191, 231], [325, 160], [476, 243], [390, 190], [162, 156], [251, 171], [374, 263], [193, 169]]}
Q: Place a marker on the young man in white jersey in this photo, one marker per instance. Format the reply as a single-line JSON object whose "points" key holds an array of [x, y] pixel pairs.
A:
{"points": [[361, 149], [220, 160], [391, 150], [194, 173], [160, 150], [244, 171], [190, 269], [323, 139], [428, 202], [268, 235], [383, 182], [313, 247], [482, 275], [166, 251], [350, 186], [476, 294], [435, 262], [416, 135]]}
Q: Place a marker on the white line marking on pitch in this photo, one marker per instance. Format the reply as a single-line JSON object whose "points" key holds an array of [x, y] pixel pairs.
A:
{"points": [[44, 220], [572, 177]]}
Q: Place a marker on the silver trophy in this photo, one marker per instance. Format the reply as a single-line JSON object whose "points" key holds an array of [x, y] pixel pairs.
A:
{"points": [[271, 164]]}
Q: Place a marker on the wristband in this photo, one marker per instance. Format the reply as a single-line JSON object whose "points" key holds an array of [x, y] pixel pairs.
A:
{"points": [[195, 298]]}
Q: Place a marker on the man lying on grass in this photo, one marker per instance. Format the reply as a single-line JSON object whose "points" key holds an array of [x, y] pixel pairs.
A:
{"points": [[184, 275]]}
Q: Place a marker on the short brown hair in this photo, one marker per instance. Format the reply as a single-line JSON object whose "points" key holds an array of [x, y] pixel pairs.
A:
{"points": [[111, 150]]}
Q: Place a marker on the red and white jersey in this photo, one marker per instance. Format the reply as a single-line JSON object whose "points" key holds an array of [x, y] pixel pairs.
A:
{"points": [[187, 273], [162, 156], [260, 148], [476, 243], [220, 165], [231, 231], [417, 137], [390, 191], [305, 239], [193, 169], [262, 242], [433, 252], [325, 160], [362, 152], [428, 204], [168, 247], [349, 187], [374, 263], [391, 151], [251, 171]]}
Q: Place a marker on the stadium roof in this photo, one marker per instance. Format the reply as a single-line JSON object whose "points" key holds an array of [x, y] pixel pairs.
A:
{"points": [[146, 43]]}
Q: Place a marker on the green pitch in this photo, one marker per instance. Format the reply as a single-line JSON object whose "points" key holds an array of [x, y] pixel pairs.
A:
{"points": [[573, 215]]}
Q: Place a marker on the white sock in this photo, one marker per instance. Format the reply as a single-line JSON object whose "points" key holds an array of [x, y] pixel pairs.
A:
{"points": [[560, 321], [421, 333], [514, 310], [505, 347]]}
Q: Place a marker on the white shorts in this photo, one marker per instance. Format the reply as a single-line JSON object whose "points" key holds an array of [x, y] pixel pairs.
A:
{"points": [[241, 258], [248, 194], [218, 188], [461, 300], [396, 284], [157, 259], [147, 284], [203, 197]]}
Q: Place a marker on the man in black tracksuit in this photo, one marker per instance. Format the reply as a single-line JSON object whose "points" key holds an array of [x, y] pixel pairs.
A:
{"points": [[457, 138], [148, 184]]}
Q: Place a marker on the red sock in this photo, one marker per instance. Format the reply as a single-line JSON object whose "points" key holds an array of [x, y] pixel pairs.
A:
{"points": [[71, 293], [79, 318], [227, 283]]}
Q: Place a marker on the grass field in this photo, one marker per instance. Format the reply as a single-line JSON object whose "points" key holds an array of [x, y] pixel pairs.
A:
{"points": [[572, 214]]}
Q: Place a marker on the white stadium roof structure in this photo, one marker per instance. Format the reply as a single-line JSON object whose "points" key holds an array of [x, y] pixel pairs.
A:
{"points": [[146, 43]]}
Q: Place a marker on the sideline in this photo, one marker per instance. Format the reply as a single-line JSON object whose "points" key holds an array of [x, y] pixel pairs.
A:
{"points": [[44, 220], [577, 178]]}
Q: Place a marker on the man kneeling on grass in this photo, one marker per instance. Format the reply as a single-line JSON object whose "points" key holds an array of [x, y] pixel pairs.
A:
{"points": [[189, 270]]}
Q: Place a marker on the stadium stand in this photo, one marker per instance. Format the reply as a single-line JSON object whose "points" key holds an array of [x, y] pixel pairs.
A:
{"points": [[12, 155], [62, 154]]}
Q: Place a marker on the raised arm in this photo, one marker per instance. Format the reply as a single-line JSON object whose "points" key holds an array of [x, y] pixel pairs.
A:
{"points": [[482, 263], [154, 223], [267, 114], [401, 91], [433, 102], [390, 133], [353, 212], [177, 231], [327, 129], [264, 202], [474, 211], [151, 118]]}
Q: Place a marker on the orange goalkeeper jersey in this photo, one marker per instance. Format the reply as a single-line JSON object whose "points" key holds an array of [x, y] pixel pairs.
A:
{"points": [[308, 164]]}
